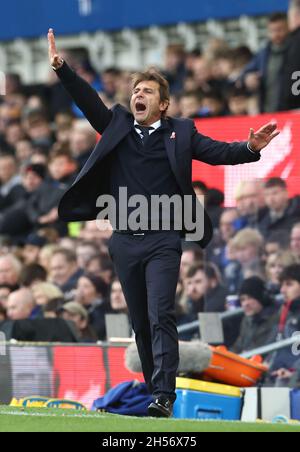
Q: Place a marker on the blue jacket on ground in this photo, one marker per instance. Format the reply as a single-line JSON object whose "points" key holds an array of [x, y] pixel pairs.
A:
{"points": [[130, 398]]}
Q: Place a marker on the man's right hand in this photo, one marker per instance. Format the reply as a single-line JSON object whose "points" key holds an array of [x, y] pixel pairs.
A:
{"points": [[55, 60]]}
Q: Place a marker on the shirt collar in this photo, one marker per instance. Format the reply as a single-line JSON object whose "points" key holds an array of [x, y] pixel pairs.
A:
{"points": [[155, 126]]}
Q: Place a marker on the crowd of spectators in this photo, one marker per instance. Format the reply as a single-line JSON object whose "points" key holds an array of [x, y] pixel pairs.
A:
{"points": [[51, 270]]}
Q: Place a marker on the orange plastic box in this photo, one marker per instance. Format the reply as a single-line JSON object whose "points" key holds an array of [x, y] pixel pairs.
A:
{"points": [[229, 368]]}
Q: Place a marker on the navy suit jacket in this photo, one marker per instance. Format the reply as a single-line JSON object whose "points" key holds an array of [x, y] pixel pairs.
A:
{"points": [[79, 202]]}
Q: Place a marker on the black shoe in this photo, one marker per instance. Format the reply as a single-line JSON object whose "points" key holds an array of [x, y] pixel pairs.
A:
{"points": [[162, 407]]}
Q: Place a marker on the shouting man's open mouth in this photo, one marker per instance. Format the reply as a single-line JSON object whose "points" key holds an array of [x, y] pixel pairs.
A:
{"points": [[140, 107]]}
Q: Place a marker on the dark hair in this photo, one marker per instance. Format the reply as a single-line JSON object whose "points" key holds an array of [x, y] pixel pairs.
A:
{"points": [[280, 237], [277, 17], [3, 311], [210, 270], [32, 273], [61, 152], [154, 76], [8, 155], [215, 198], [291, 273], [198, 184], [276, 182], [195, 249], [112, 71], [105, 262], [54, 305], [9, 287], [99, 284], [69, 255], [177, 49], [196, 52], [195, 94], [213, 94], [237, 92], [242, 55]]}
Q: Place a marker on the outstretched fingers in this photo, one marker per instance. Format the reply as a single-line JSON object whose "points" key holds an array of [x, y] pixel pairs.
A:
{"points": [[274, 134], [52, 44], [268, 128]]}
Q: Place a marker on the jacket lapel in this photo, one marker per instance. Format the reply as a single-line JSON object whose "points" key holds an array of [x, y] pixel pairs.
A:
{"points": [[120, 122], [170, 143]]}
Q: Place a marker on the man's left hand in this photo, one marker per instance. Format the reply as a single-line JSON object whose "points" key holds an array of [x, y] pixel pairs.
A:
{"points": [[260, 139]]}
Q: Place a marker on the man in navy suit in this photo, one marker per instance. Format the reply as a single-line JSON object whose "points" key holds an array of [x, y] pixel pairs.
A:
{"points": [[149, 155]]}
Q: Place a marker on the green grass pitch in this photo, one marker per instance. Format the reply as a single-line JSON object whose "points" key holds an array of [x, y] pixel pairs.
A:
{"points": [[56, 420]]}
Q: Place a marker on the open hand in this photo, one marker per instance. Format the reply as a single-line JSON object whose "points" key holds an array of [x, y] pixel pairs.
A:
{"points": [[55, 60], [260, 139]]}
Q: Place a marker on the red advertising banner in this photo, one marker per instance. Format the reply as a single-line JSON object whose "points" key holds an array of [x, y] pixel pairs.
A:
{"points": [[79, 374], [117, 370], [281, 159]]}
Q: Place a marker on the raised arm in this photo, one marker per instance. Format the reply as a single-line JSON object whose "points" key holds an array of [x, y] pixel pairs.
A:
{"points": [[85, 97], [220, 153]]}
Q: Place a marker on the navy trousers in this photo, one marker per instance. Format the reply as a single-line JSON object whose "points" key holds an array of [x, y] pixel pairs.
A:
{"points": [[148, 269]]}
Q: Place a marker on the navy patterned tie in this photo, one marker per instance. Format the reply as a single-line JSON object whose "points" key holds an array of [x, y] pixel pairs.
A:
{"points": [[145, 132]]}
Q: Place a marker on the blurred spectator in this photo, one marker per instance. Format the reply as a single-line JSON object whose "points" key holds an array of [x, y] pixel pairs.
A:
{"points": [[290, 100], [295, 241], [82, 143], [11, 189], [20, 305], [260, 316], [2, 314], [174, 109], [24, 150], [37, 126], [33, 245], [85, 252], [5, 291], [213, 200], [38, 209], [92, 293], [14, 133], [219, 253], [76, 313], [62, 167], [191, 254], [204, 289], [213, 104], [32, 274], [46, 255], [101, 265], [190, 104], [117, 299], [63, 127], [246, 250], [275, 243], [52, 309], [282, 362], [64, 271], [44, 292], [10, 270], [110, 79], [281, 213], [264, 73], [276, 263], [238, 102], [214, 205], [175, 69], [250, 203], [247, 247], [201, 190]]}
